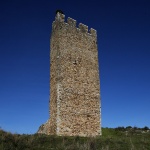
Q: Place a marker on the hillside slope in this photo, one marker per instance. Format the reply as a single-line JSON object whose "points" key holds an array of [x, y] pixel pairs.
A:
{"points": [[112, 139]]}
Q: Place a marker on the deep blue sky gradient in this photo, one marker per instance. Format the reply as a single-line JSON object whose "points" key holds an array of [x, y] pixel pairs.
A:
{"points": [[123, 28]]}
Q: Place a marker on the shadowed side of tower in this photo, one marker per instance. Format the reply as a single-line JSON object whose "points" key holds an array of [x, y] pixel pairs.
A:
{"points": [[74, 80]]}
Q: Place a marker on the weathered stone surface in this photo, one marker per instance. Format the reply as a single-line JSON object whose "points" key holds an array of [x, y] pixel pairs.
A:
{"points": [[74, 80]]}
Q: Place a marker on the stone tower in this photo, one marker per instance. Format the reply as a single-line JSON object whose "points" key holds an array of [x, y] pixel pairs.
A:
{"points": [[75, 107]]}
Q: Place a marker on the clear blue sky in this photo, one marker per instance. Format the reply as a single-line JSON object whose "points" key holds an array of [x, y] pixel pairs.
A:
{"points": [[123, 28]]}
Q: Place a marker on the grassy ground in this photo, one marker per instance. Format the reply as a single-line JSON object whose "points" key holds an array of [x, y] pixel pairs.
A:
{"points": [[112, 139]]}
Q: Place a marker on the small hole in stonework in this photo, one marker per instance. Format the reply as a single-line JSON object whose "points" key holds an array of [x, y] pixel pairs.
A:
{"points": [[75, 63], [88, 115]]}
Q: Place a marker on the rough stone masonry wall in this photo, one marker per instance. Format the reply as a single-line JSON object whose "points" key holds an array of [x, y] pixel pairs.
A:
{"points": [[74, 80]]}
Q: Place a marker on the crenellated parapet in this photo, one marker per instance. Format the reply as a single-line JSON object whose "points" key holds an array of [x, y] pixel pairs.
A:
{"points": [[71, 23]]}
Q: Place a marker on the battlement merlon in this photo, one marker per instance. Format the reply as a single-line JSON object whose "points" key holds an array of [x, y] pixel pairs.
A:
{"points": [[60, 17], [71, 22], [93, 32], [83, 28]]}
